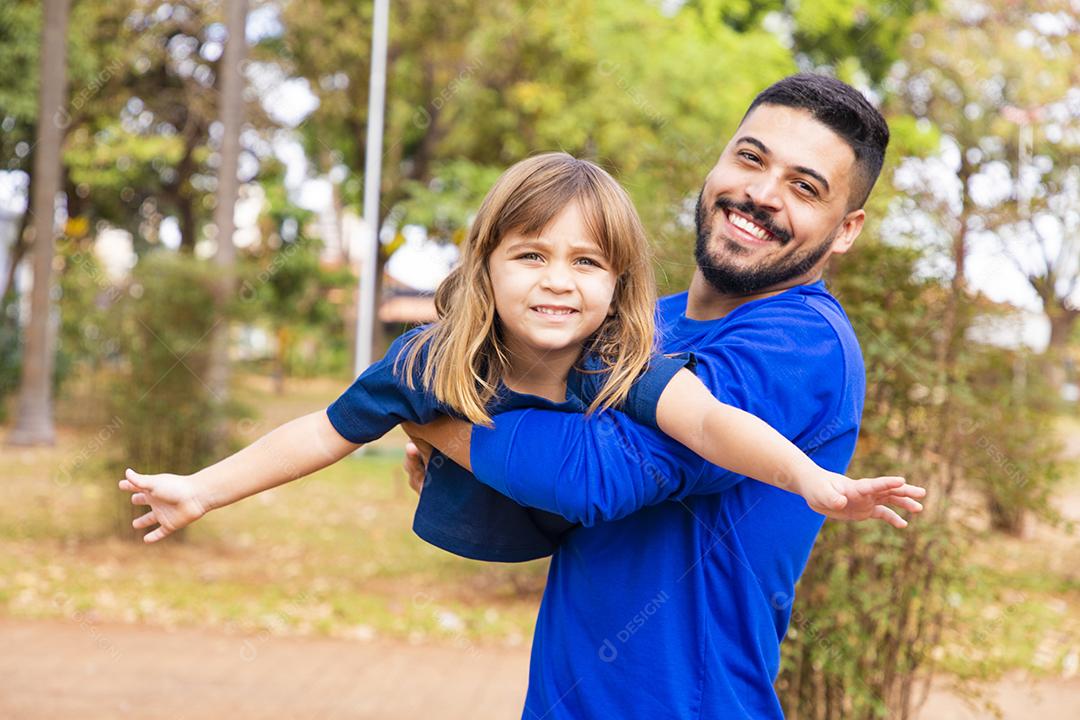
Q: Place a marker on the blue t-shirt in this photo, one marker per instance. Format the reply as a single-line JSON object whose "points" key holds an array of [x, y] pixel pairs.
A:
{"points": [[456, 512], [677, 609]]}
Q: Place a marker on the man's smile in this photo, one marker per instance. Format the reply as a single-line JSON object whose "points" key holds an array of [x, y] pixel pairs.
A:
{"points": [[746, 229]]}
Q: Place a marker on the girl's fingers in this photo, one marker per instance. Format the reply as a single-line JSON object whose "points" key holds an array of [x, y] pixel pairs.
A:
{"points": [[905, 503], [913, 491], [878, 485], [144, 521], [888, 515], [127, 485], [139, 499], [156, 535]]}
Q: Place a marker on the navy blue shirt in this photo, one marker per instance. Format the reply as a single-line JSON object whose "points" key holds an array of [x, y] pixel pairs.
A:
{"points": [[455, 511], [672, 599]]}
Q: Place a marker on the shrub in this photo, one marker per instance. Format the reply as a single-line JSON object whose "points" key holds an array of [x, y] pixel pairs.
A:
{"points": [[166, 412], [873, 602]]}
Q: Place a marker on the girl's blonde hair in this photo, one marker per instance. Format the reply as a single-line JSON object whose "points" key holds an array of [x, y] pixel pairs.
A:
{"points": [[466, 353]]}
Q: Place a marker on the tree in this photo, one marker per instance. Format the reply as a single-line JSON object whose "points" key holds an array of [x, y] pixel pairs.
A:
{"points": [[232, 107], [33, 422], [1000, 79]]}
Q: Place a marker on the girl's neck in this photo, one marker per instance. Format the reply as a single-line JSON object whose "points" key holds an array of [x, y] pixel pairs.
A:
{"points": [[540, 373]]}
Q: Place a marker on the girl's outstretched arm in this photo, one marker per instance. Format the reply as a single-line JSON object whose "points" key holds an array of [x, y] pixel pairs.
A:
{"points": [[297, 448], [743, 443]]}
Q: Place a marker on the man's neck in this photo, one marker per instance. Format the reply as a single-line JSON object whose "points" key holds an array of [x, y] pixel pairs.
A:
{"points": [[704, 302]]}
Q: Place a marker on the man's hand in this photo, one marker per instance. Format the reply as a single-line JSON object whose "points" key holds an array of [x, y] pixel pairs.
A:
{"points": [[450, 436], [417, 455]]}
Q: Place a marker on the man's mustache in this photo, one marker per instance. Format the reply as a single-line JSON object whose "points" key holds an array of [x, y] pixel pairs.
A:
{"points": [[760, 216]]}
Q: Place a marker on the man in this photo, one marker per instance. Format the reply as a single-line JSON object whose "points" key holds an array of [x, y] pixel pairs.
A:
{"points": [[677, 609]]}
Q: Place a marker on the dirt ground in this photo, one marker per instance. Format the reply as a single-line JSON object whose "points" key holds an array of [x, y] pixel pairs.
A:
{"points": [[91, 671], [51, 670]]}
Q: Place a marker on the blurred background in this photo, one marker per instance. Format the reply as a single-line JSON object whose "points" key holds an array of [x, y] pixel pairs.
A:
{"points": [[195, 283]]}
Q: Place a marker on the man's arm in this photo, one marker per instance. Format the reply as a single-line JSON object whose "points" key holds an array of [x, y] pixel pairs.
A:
{"points": [[586, 469]]}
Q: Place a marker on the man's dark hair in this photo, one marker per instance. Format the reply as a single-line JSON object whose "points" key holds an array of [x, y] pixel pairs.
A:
{"points": [[843, 110]]}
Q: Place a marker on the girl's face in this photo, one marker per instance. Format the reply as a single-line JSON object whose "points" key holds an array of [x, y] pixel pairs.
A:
{"points": [[552, 291]]}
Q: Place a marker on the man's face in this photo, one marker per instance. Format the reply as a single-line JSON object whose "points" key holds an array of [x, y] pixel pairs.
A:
{"points": [[775, 205]]}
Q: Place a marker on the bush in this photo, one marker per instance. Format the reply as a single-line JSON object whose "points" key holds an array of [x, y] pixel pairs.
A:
{"points": [[166, 412], [873, 602], [10, 355]]}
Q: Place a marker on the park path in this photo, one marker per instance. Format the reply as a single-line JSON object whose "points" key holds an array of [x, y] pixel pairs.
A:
{"points": [[91, 671], [65, 669]]}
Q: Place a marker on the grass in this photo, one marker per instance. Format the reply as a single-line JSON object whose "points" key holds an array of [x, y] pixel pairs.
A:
{"points": [[332, 554]]}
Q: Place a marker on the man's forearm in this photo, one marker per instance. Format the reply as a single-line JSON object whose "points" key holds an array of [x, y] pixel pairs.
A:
{"points": [[587, 470], [297, 448]]}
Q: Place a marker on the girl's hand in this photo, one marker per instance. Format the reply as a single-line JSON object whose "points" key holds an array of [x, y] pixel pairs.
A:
{"points": [[173, 499], [841, 498]]}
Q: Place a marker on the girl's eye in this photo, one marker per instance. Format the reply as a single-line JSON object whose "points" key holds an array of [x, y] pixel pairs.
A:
{"points": [[589, 261], [529, 256]]}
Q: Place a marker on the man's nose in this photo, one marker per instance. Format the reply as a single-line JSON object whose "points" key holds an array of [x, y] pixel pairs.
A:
{"points": [[765, 192]]}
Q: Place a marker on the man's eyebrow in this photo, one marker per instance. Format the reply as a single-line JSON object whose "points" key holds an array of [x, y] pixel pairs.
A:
{"points": [[798, 168]]}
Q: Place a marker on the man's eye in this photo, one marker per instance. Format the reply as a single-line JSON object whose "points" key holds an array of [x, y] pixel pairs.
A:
{"points": [[747, 155], [807, 188]]}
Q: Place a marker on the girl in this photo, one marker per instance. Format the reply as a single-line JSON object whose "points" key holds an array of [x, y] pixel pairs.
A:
{"points": [[552, 306]]}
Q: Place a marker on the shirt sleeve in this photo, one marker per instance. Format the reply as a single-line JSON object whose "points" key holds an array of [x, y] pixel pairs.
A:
{"points": [[380, 399], [595, 469], [640, 403], [645, 394], [787, 370]]}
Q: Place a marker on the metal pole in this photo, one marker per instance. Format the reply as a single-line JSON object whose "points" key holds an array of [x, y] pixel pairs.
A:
{"points": [[365, 318]]}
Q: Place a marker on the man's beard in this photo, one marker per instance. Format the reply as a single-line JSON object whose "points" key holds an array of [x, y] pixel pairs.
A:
{"points": [[726, 278]]}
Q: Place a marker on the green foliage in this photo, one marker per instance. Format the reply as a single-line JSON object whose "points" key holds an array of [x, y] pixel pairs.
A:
{"points": [[299, 299], [872, 599], [445, 205], [873, 603], [1009, 446], [10, 354], [20, 31], [859, 39], [495, 82], [86, 296], [160, 400]]}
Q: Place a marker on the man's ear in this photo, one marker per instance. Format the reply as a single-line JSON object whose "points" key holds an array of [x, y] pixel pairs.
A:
{"points": [[849, 230]]}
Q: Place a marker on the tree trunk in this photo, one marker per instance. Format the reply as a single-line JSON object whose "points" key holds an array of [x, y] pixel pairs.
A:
{"points": [[232, 110], [34, 419], [1062, 322]]}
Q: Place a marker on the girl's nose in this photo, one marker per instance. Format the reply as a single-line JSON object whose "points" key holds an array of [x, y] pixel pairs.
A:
{"points": [[557, 278]]}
